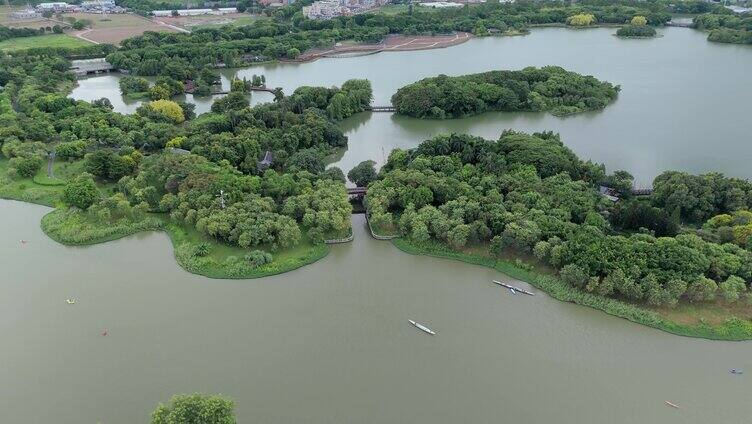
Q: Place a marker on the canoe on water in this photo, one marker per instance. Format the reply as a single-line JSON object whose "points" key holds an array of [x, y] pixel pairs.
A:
{"points": [[422, 327]]}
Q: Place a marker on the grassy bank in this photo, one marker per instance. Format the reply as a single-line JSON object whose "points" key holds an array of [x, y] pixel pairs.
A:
{"points": [[730, 328], [213, 259]]}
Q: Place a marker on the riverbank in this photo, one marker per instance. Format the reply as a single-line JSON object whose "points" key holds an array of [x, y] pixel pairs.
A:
{"points": [[730, 329]]}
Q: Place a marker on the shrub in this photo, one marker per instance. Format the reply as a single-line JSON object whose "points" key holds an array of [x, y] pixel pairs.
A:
{"points": [[81, 191], [202, 249], [258, 258], [26, 166]]}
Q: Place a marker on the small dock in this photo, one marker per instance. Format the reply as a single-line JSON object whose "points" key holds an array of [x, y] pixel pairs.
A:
{"points": [[509, 286]]}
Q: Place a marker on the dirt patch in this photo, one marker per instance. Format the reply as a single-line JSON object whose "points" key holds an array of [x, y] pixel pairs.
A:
{"points": [[114, 35], [390, 43]]}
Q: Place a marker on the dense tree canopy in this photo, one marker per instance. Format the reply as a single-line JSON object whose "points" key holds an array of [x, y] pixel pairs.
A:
{"points": [[529, 193], [195, 409], [550, 88]]}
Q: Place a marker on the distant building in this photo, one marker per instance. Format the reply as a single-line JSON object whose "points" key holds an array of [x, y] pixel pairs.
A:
{"points": [[54, 7], [739, 10], [104, 6], [441, 4], [196, 12], [25, 15], [327, 9]]}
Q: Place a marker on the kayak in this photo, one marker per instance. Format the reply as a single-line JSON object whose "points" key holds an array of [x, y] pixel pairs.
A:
{"points": [[422, 327]]}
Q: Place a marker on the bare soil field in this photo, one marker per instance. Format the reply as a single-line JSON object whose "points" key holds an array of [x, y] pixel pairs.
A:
{"points": [[113, 29], [390, 43]]}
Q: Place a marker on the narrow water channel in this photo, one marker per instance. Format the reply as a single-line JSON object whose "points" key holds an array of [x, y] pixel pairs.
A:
{"points": [[330, 343]]}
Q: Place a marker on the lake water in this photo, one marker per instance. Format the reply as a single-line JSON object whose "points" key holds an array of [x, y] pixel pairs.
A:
{"points": [[683, 103], [330, 343]]}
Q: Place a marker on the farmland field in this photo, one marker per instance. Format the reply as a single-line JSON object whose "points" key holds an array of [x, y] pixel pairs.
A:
{"points": [[113, 29]]}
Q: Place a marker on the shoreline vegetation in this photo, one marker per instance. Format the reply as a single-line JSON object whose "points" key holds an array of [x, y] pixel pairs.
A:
{"points": [[732, 329], [548, 89]]}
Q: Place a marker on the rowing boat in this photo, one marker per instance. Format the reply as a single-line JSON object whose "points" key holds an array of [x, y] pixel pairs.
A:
{"points": [[673, 405], [513, 288], [422, 327]]}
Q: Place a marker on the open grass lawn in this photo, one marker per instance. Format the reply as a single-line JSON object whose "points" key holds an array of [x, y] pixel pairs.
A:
{"points": [[218, 22], [50, 40]]}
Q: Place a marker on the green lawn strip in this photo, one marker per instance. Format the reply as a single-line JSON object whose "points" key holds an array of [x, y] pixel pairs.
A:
{"points": [[38, 41], [731, 329]]}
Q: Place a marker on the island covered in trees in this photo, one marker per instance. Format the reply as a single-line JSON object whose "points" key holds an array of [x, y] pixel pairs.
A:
{"points": [[550, 88], [638, 28]]}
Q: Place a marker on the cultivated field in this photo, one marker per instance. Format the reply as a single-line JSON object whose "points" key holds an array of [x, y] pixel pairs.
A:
{"points": [[113, 29], [50, 40]]}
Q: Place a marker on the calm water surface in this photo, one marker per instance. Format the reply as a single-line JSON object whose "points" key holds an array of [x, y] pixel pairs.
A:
{"points": [[330, 343], [683, 103]]}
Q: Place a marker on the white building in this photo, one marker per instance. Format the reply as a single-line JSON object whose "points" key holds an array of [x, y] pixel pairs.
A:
{"points": [[25, 15], [98, 4], [54, 7], [324, 9], [196, 12], [441, 4]]}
